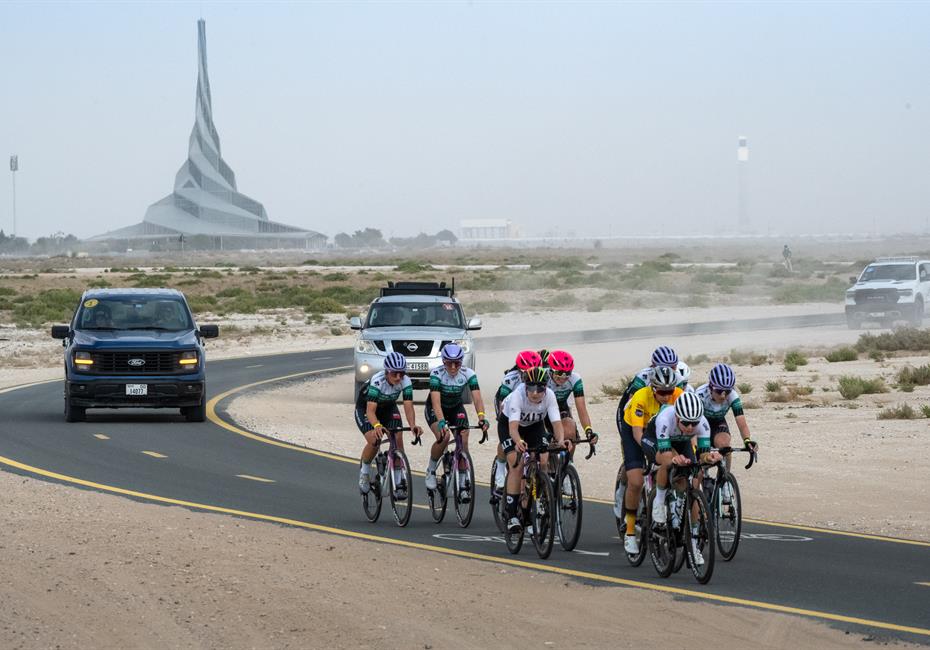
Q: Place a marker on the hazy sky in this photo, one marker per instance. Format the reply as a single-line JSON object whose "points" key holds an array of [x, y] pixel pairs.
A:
{"points": [[593, 118]]}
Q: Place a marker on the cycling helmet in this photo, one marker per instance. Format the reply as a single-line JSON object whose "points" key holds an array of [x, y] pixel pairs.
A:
{"points": [[664, 356], [664, 377], [684, 371], [561, 361], [537, 376], [722, 376], [452, 352], [528, 359], [395, 362], [544, 355], [689, 407]]}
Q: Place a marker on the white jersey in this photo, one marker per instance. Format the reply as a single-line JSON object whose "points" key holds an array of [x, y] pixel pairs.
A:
{"points": [[667, 431], [715, 411], [518, 407]]}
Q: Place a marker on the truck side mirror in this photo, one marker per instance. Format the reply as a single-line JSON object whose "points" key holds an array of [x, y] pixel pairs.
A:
{"points": [[209, 331], [60, 331], [355, 323], [474, 323], [852, 279]]}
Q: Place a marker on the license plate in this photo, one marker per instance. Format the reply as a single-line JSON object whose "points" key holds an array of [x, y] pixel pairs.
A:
{"points": [[877, 314], [137, 389], [418, 365]]}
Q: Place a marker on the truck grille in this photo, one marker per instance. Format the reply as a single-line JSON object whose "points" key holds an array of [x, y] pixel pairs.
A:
{"points": [[419, 348], [876, 297], [155, 363]]}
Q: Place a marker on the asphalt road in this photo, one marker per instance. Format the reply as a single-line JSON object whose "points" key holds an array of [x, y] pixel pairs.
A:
{"points": [[866, 584]]}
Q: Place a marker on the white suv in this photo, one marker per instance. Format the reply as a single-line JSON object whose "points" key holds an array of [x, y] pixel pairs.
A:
{"points": [[889, 289]]}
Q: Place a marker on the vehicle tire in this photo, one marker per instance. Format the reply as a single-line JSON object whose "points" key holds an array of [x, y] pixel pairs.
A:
{"points": [[542, 516], [371, 502], [73, 413], [196, 413], [661, 544], [917, 316], [728, 519], [497, 509], [853, 322], [705, 536], [568, 509], [463, 510], [401, 507]]}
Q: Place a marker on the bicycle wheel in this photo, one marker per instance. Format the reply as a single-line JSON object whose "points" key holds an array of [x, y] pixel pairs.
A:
{"points": [[621, 522], [464, 495], [497, 502], [661, 544], [727, 517], [402, 506], [439, 498], [704, 537], [371, 502], [514, 541], [569, 508], [542, 515]]}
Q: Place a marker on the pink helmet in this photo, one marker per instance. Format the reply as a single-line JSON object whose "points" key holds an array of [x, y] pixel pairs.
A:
{"points": [[528, 359], [561, 361]]}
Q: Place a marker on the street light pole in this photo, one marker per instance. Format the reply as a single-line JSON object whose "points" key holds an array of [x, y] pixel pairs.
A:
{"points": [[14, 167]]}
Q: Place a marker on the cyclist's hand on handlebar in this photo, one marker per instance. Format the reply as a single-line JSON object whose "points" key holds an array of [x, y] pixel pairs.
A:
{"points": [[568, 444], [484, 425], [521, 445], [379, 431], [751, 445], [681, 459], [714, 457]]}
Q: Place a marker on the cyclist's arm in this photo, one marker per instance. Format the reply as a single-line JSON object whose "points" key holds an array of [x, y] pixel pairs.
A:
{"points": [[434, 398], [583, 414], [479, 404], [371, 409], [410, 413], [638, 435], [514, 429]]}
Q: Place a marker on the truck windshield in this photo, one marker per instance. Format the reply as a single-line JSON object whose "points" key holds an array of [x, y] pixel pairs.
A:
{"points": [[135, 313], [876, 272], [416, 314]]}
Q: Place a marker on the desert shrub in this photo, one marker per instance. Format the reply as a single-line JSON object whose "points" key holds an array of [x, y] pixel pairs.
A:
{"points": [[739, 357], [919, 376], [793, 359], [616, 390], [407, 266], [906, 338], [758, 359], [7, 291], [50, 305], [772, 385], [696, 359], [231, 292], [899, 412], [339, 276], [877, 355], [830, 291], [925, 410], [489, 307], [844, 353], [148, 280], [851, 387], [744, 387]]}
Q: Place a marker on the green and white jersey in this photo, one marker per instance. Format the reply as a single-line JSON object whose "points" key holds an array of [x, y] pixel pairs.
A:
{"points": [[665, 425], [383, 392], [715, 411], [573, 386], [452, 387]]}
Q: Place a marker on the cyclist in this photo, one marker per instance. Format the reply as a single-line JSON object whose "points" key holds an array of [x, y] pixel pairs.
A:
{"points": [[520, 426], [661, 356], [719, 396], [667, 441], [447, 385], [377, 403], [566, 383], [644, 405], [512, 379], [684, 371]]}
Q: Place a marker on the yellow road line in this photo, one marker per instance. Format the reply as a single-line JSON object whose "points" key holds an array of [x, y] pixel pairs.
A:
{"points": [[154, 454], [101, 436], [229, 426], [255, 478], [585, 575]]}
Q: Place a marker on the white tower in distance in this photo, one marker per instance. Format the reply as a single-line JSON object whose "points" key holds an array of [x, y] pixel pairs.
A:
{"points": [[742, 173]]}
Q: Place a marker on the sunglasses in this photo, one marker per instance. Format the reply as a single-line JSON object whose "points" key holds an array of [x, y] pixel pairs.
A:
{"points": [[535, 388], [723, 391], [449, 362], [689, 423], [560, 373], [664, 392], [397, 373]]}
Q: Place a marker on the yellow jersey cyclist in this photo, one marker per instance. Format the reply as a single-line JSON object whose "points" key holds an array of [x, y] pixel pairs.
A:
{"points": [[447, 386], [525, 360], [644, 405], [520, 426], [719, 396], [376, 405], [567, 384], [662, 356], [669, 440]]}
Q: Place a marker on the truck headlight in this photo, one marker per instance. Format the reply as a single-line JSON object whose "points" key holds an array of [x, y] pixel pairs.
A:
{"points": [[83, 359], [188, 358], [905, 293], [366, 347], [465, 344]]}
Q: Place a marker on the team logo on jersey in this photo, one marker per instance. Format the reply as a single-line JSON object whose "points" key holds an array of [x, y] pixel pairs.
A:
{"points": [[639, 413]]}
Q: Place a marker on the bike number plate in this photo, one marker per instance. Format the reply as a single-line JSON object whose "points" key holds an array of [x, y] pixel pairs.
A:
{"points": [[137, 389]]}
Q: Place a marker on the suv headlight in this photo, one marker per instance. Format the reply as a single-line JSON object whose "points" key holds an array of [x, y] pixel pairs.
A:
{"points": [[365, 346], [188, 359], [83, 359], [465, 344]]}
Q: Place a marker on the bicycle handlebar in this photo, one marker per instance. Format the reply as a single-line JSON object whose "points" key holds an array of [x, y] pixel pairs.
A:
{"points": [[753, 456]]}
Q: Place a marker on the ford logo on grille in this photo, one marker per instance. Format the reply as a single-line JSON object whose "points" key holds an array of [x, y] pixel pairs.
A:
{"points": [[136, 362], [412, 346]]}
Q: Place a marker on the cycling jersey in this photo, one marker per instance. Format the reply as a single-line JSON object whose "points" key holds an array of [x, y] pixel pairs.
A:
{"points": [[573, 386], [451, 388], [382, 391], [716, 411], [643, 406], [512, 379], [518, 407], [665, 429]]}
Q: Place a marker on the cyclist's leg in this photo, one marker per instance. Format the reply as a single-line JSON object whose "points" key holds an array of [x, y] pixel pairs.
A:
{"points": [[514, 474], [442, 440], [634, 461], [720, 436]]}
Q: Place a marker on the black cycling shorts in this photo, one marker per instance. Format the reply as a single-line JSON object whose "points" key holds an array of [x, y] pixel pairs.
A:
{"points": [[453, 415], [717, 426], [386, 412], [632, 453], [534, 434]]}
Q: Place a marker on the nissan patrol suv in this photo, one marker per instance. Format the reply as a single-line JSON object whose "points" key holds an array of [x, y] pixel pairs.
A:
{"points": [[134, 348], [889, 289], [415, 319]]}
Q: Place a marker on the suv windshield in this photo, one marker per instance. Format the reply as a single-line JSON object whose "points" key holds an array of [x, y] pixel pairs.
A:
{"points": [[134, 313], [416, 314], [889, 272]]}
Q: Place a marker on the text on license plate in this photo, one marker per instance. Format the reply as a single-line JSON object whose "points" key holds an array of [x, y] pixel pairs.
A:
{"points": [[417, 365], [137, 389]]}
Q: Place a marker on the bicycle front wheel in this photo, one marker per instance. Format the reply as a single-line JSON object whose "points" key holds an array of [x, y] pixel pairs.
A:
{"points": [[661, 543], [371, 502], [728, 517], [497, 500], [542, 515], [698, 537], [464, 495], [439, 498], [568, 508], [401, 489]]}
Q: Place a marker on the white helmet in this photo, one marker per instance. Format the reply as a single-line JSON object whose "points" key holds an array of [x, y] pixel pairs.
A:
{"points": [[685, 371], [689, 407]]}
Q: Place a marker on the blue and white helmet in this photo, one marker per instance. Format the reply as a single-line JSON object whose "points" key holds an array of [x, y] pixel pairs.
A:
{"points": [[452, 352], [722, 376], [395, 362], [664, 356]]}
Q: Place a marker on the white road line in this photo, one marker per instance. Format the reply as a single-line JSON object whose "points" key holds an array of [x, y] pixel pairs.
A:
{"points": [[578, 550], [154, 454], [258, 365], [255, 478], [321, 358], [101, 436]]}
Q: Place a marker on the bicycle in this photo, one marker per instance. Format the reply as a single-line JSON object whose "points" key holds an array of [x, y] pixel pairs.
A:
{"points": [[383, 476], [727, 517], [569, 505], [642, 509], [463, 496], [536, 507], [666, 538]]}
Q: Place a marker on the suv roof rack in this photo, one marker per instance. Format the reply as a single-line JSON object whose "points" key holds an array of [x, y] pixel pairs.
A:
{"points": [[418, 289], [908, 258]]}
